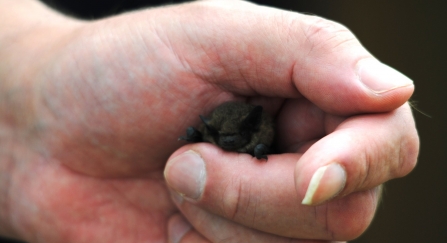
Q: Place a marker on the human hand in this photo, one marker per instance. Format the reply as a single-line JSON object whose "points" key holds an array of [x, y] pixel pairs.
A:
{"points": [[106, 101]]}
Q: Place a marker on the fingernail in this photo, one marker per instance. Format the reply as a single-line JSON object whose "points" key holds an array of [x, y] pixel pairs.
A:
{"points": [[325, 184], [186, 174], [381, 78], [178, 227]]}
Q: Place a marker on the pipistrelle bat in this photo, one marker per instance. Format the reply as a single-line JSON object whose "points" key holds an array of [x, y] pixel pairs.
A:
{"points": [[236, 126]]}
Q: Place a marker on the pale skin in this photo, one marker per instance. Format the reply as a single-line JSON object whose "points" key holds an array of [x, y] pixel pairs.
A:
{"points": [[90, 113]]}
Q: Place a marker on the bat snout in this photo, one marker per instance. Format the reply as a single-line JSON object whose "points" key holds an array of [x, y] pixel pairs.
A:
{"points": [[231, 142]]}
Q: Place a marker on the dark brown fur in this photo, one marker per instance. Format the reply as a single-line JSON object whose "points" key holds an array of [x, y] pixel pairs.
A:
{"points": [[236, 126]]}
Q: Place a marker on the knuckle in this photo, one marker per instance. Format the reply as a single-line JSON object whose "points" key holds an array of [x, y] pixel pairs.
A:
{"points": [[367, 171], [383, 160], [238, 203], [325, 34], [409, 145], [394, 160], [408, 154]]}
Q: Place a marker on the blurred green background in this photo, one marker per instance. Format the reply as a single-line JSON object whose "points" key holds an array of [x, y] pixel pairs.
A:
{"points": [[410, 35]]}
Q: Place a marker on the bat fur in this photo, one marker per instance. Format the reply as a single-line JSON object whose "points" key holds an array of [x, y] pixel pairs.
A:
{"points": [[236, 126]]}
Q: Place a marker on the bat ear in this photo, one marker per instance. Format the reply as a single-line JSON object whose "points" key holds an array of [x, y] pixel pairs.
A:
{"points": [[253, 120], [208, 126]]}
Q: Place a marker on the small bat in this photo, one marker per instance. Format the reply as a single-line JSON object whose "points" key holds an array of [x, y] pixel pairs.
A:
{"points": [[236, 126]]}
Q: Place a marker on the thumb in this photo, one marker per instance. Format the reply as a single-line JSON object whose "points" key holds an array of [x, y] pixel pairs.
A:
{"points": [[263, 51], [340, 76]]}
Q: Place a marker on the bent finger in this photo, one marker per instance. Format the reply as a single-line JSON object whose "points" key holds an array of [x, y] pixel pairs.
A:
{"points": [[219, 229], [262, 195], [362, 153]]}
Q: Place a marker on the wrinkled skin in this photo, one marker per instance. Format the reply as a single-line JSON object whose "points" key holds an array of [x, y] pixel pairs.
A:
{"points": [[90, 113]]}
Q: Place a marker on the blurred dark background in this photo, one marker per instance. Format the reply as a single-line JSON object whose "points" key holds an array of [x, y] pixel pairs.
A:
{"points": [[410, 35]]}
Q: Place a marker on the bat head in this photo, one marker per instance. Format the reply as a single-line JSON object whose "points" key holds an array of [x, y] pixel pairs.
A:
{"points": [[231, 127]]}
